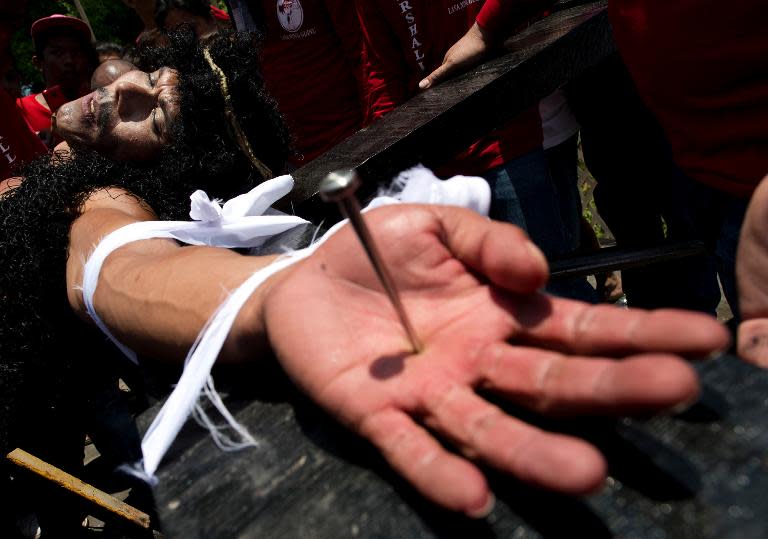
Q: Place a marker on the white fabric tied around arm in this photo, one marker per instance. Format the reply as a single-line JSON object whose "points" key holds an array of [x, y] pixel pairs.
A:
{"points": [[417, 185], [239, 224]]}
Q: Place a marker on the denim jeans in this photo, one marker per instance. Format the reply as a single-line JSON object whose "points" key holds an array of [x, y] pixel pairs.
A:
{"points": [[524, 193]]}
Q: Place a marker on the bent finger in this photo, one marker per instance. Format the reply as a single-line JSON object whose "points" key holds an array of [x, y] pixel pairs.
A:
{"points": [[483, 431], [444, 478], [554, 383], [501, 252]]}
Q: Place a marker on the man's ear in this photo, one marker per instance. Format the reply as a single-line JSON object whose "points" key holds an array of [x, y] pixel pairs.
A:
{"points": [[37, 62]]}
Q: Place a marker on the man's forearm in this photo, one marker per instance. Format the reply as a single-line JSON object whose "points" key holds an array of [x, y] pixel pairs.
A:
{"points": [[153, 295], [157, 298]]}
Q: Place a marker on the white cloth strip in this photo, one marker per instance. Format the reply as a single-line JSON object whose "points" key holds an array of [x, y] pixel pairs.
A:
{"points": [[238, 224], [172, 416]]}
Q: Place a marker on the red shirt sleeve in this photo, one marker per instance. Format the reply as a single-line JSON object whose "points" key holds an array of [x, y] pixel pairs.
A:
{"points": [[37, 116], [18, 144]]}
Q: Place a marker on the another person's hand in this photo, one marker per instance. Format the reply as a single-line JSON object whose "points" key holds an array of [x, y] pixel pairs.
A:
{"points": [[752, 276], [466, 53], [470, 286]]}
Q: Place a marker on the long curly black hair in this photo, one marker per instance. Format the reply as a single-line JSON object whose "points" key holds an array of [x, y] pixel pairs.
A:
{"points": [[47, 357]]}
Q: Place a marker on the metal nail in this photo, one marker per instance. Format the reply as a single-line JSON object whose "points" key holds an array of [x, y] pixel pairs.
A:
{"points": [[340, 186]]}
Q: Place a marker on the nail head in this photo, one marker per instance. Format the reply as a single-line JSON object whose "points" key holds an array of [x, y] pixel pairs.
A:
{"points": [[338, 185]]}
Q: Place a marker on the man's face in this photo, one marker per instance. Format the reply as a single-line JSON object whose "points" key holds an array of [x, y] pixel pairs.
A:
{"points": [[129, 120], [65, 61]]}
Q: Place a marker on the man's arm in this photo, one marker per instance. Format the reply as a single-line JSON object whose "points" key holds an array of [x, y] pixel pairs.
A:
{"points": [[496, 20], [470, 287], [155, 295]]}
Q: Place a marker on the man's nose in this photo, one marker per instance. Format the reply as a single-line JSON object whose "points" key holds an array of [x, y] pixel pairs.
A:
{"points": [[133, 101]]}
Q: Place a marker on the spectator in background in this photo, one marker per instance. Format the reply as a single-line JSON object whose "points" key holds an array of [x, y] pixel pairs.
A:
{"points": [[108, 51], [110, 71], [205, 19], [66, 58], [311, 58], [403, 43], [18, 144], [711, 98], [712, 103]]}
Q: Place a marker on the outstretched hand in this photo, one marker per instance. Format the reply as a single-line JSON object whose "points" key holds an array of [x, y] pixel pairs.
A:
{"points": [[752, 276], [466, 53], [470, 287]]}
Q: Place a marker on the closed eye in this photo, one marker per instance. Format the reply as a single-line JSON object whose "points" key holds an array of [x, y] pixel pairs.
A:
{"points": [[155, 127]]}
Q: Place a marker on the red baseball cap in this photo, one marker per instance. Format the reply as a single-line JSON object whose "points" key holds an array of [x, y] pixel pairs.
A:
{"points": [[60, 21]]}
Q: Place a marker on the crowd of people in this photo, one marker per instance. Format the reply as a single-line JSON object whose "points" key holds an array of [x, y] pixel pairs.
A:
{"points": [[224, 100]]}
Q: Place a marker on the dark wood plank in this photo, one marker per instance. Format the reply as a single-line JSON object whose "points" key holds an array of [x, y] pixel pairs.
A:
{"points": [[616, 258], [697, 475]]}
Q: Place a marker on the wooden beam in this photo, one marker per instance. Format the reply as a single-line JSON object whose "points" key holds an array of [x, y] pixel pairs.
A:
{"points": [[84, 490], [617, 258]]}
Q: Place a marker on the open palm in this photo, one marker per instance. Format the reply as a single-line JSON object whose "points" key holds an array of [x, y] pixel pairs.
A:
{"points": [[470, 287]]}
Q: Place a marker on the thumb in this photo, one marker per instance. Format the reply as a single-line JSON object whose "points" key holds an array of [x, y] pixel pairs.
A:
{"points": [[501, 252]]}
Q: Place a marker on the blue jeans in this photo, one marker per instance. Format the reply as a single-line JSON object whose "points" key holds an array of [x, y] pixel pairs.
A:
{"points": [[716, 217], [524, 193]]}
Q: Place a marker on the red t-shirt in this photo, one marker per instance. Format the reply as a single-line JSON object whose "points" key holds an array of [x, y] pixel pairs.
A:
{"points": [[18, 144], [311, 65], [405, 41], [500, 17], [702, 67], [38, 117]]}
